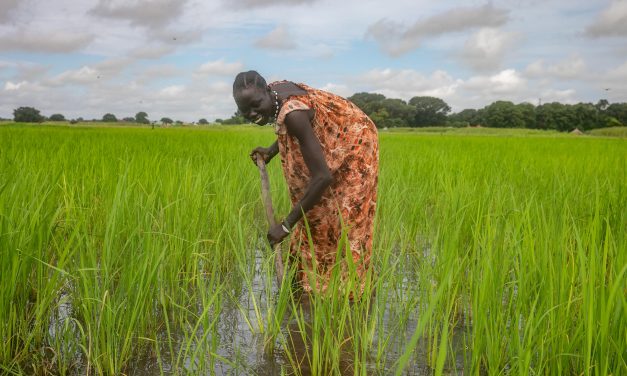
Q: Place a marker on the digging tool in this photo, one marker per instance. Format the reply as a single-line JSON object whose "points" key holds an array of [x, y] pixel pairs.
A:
{"points": [[267, 202]]}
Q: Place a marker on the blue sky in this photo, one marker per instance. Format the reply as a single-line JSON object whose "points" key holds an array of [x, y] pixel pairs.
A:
{"points": [[178, 58]]}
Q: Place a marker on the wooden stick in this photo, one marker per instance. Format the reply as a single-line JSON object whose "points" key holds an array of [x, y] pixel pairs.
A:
{"points": [[267, 202]]}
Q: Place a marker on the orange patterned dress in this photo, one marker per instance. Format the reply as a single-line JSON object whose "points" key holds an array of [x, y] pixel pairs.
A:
{"points": [[351, 149]]}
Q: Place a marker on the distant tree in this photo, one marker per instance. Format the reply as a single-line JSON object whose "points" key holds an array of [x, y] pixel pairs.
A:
{"points": [[367, 102], [129, 119], [57, 117], [27, 115], [555, 116], [528, 113], [219, 121], [465, 117], [618, 111], [237, 118], [109, 118], [142, 118], [429, 111], [203, 121], [166, 121], [504, 114], [584, 116], [602, 104], [79, 119], [179, 122]]}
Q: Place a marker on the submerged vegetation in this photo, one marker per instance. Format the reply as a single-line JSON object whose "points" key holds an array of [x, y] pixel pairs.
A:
{"points": [[132, 251]]}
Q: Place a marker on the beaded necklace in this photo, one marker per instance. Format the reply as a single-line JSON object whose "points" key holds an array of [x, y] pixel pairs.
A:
{"points": [[276, 104]]}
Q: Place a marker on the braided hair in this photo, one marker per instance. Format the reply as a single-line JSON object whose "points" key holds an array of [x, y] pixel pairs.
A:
{"points": [[247, 79]]}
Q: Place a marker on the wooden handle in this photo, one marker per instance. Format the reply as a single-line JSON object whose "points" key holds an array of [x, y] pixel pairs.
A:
{"points": [[267, 202]]}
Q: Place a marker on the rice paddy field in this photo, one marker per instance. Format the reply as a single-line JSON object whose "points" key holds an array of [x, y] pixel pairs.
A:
{"points": [[131, 251]]}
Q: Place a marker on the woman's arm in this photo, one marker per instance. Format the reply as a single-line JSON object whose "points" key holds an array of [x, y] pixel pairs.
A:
{"points": [[298, 125]]}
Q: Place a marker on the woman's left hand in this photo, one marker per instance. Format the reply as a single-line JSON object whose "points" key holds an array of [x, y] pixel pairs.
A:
{"points": [[276, 234]]}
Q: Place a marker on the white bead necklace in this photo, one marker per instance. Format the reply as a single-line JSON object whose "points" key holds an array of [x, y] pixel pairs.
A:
{"points": [[276, 104]]}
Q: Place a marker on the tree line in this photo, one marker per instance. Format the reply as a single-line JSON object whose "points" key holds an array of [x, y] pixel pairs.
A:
{"points": [[423, 111], [33, 115], [426, 111]]}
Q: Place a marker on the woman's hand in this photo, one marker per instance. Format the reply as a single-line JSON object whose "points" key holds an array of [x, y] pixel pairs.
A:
{"points": [[276, 234], [264, 152]]}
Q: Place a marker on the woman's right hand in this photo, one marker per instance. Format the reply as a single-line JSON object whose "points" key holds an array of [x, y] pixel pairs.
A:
{"points": [[264, 152]]}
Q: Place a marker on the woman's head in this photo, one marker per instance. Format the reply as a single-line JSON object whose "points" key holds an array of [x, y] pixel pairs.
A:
{"points": [[253, 97]]}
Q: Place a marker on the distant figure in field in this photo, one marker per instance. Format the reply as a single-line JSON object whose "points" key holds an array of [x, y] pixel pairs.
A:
{"points": [[330, 157]]}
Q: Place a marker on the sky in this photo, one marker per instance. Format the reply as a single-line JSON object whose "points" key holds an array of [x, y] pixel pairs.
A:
{"points": [[178, 58]]}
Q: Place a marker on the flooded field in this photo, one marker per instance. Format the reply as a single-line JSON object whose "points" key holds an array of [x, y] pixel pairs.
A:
{"points": [[140, 252]]}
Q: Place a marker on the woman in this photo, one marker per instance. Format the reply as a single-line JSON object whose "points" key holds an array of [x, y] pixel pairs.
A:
{"points": [[330, 156]]}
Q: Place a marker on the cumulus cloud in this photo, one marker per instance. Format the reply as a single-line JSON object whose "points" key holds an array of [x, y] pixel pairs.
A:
{"points": [[6, 8], [156, 72], [569, 68], [407, 83], [396, 39], [50, 41], [265, 3], [611, 22], [505, 82], [277, 39], [219, 68], [485, 49], [152, 51], [153, 14], [11, 86], [82, 76]]}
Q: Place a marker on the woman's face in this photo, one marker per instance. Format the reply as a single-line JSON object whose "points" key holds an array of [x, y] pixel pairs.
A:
{"points": [[255, 104]]}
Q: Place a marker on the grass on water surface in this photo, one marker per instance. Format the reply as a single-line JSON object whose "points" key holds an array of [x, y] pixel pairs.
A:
{"points": [[130, 250]]}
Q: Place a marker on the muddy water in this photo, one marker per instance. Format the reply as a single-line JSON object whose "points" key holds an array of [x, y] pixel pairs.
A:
{"points": [[245, 349], [244, 352]]}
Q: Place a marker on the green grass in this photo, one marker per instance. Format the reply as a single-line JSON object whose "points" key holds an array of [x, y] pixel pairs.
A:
{"points": [[609, 132], [125, 249]]}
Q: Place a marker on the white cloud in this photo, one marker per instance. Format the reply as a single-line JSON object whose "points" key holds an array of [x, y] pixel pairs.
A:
{"points": [[611, 22], [570, 68], [7, 7], [485, 49], [220, 68], [407, 83], [507, 81], [172, 91], [246, 4], [51, 41], [153, 14], [277, 39], [10, 86], [151, 51], [396, 39], [82, 76]]}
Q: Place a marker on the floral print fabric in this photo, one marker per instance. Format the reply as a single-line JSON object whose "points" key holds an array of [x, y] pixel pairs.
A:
{"points": [[350, 145]]}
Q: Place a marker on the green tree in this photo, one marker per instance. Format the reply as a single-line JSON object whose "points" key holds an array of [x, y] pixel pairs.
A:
{"points": [[166, 121], [57, 117], [555, 116], [528, 113], [237, 118], [142, 118], [367, 102], [109, 118], [203, 121], [618, 111], [504, 114], [429, 111], [27, 115], [466, 117]]}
